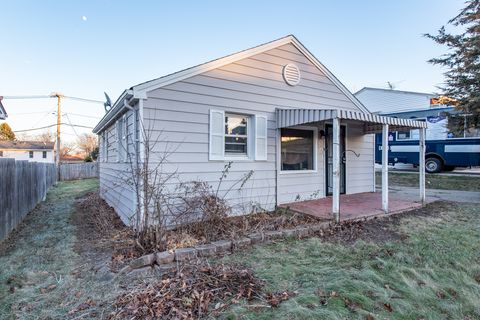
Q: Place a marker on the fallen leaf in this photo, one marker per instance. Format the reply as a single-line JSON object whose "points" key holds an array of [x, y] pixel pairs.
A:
{"points": [[370, 317], [388, 307]]}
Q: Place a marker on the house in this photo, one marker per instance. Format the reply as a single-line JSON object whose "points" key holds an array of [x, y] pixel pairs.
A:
{"points": [[273, 109], [388, 101], [452, 138], [3, 112], [27, 150], [72, 158]]}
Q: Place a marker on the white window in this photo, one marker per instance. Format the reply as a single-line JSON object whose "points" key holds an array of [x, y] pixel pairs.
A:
{"points": [[105, 133], [237, 136], [297, 150], [403, 135], [121, 139], [413, 134], [125, 138], [103, 147]]}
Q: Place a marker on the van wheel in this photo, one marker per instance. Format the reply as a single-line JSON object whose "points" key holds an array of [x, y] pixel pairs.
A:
{"points": [[433, 165]]}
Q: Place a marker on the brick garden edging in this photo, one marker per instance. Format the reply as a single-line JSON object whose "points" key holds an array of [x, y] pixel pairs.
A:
{"points": [[221, 247]]}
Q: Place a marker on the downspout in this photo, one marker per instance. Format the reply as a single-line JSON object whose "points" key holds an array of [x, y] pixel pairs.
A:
{"points": [[138, 188]]}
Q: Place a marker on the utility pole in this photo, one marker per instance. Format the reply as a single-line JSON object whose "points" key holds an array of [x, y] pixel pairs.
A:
{"points": [[59, 122]]}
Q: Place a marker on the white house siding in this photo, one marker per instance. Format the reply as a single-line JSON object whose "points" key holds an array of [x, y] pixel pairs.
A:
{"points": [[180, 113], [25, 155], [113, 173]]}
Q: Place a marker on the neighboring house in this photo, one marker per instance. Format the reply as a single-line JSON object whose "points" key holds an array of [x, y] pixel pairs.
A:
{"points": [[27, 150], [74, 158], [387, 101], [3, 112], [452, 136], [274, 109]]}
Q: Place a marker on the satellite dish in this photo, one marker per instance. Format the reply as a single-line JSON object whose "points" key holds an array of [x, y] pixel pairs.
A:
{"points": [[108, 103]]}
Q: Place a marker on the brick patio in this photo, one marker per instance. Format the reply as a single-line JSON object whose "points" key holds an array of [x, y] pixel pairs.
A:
{"points": [[352, 206]]}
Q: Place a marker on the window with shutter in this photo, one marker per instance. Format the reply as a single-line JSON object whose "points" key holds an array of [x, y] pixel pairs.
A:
{"points": [[235, 136]]}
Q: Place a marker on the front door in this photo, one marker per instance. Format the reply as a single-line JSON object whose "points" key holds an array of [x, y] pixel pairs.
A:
{"points": [[329, 158]]}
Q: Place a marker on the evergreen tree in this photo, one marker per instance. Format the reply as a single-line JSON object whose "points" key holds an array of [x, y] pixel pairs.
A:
{"points": [[462, 60], [6, 133]]}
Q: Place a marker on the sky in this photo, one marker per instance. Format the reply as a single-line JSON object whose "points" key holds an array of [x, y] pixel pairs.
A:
{"points": [[83, 48]]}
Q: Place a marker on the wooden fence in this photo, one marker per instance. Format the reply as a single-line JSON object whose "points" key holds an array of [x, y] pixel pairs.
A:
{"points": [[75, 171], [23, 185]]}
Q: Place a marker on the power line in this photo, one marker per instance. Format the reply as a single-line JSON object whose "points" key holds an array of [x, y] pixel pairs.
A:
{"points": [[25, 113], [27, 97], [84, 100], [73, 128], [82, 115], [53, 125], [53, 96]]}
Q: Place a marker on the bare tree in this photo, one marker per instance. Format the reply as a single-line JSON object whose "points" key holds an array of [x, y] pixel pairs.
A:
{"points": [[45, 136], [67, 149], [87, 142]]}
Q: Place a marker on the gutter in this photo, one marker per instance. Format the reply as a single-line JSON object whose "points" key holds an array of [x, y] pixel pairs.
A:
{"points": [[125, 102]]}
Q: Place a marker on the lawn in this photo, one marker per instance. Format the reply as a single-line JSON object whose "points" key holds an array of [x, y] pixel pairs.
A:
{"points": [[420, 265], [432, 273], [433, 181], [41, 275]]}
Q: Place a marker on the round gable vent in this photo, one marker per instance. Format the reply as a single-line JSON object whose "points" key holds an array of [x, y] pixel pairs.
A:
{"points": [[291, 74]]}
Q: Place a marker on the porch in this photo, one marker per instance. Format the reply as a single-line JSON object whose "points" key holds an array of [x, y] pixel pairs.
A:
{"points": [[354, 206], [351, 205]]}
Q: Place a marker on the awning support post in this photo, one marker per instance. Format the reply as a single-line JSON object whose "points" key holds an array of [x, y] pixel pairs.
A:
{"points": [[421, 164], [385, 168], [336, 170]]}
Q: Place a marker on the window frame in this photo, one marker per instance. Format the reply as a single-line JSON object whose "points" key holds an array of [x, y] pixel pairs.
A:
{"points": [[125, 138], [249, 133], [1, 153], [410, 131], [315, 151], [44, 154], [30, 154]]}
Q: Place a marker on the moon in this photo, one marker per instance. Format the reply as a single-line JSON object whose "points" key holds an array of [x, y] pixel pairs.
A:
{"points": [[84, 18]]}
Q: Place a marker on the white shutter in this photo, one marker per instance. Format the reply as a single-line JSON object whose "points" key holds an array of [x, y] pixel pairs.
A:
{"points": [[217, 135], [260, 138]]}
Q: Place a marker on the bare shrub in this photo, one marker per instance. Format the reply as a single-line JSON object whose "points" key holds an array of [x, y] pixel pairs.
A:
{"points": [[204, 208]]}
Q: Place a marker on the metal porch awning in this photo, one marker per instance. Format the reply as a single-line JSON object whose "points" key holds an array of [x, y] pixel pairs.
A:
{"points": [[372, 123]]}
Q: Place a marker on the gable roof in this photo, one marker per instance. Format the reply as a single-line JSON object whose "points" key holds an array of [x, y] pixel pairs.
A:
{"points": [[3, 112], [26, 145], [140, 90], [396, 91]]}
